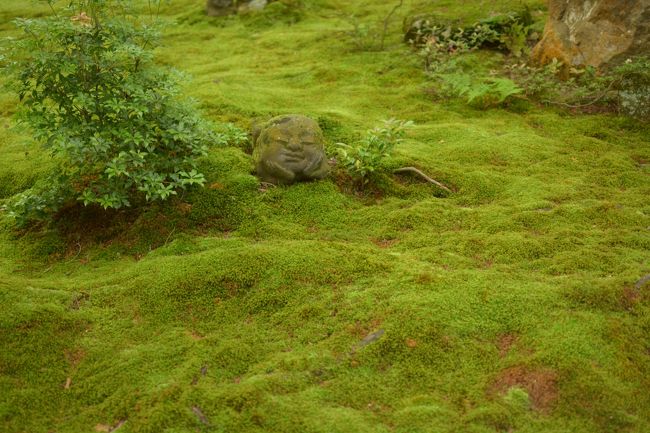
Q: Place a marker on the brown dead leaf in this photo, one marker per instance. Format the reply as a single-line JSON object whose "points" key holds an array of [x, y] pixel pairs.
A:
{"points": [[82, 19], [411, 343]]}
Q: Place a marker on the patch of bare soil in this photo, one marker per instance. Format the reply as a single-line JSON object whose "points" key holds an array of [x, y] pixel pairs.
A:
{"points": [[504, 343], [540, 384], [385, 243]]}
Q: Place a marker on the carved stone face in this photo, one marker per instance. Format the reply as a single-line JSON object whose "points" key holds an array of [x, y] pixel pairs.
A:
{"points": [[289, 149]]}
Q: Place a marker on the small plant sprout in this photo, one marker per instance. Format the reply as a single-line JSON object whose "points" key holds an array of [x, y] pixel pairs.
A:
{"points": [[366, 159]]}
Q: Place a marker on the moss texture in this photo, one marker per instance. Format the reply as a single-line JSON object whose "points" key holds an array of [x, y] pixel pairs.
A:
{"points": [[515, 304]]}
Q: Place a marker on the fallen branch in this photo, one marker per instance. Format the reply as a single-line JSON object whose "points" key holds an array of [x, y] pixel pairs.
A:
{"points": [[423, 176]]}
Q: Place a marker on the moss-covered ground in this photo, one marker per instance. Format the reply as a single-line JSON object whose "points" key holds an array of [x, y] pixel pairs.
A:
{"points": [[516, 304]]}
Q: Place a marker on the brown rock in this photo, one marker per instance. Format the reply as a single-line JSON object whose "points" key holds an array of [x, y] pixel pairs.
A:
{"points": [[594, 32]]}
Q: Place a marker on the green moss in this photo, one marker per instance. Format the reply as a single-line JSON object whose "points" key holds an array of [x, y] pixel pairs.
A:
{"points": [[312, 309]]}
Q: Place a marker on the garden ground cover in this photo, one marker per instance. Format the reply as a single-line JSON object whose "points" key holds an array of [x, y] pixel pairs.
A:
{"points": [[516, 304]]}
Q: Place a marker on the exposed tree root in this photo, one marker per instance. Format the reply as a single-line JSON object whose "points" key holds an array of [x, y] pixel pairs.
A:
{"points": [[423, 176]]}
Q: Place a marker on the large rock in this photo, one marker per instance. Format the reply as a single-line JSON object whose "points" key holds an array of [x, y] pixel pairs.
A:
{"points": [[594, 32]]}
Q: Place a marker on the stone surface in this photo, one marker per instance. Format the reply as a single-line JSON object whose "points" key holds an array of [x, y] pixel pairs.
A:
{"points": [[227, 7], [221, 7], [594, 32], [289, 149], [253, 6]]}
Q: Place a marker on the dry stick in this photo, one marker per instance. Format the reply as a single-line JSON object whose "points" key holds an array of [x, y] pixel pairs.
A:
{"points": [[199, 414], [118, 425], [386, 20], [593, 101], [424, 176], [169, 235]]}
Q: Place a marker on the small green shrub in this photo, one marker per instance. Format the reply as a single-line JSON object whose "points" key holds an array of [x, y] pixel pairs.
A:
{"points": [[537, 82], [37, 203], [110, 117], [482, 93], [231, 135], [515, 38], [365, 158], [434, 40], [362, 35], [369, 36]]}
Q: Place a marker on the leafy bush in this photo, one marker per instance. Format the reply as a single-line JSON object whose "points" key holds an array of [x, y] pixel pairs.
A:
{"points": [[111, 118], [509, 32], [365, 158]]}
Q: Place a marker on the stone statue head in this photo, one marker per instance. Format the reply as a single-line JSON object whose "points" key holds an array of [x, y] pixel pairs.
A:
{"points": [[289, 149]]}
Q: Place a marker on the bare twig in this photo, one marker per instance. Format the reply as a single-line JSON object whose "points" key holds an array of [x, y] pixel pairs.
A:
{"points": [[118, 425], [423, 176], [169, 235], [78, 252], [199, 414], [387, 20], [592, 102], [642, 282], [50, 3]]}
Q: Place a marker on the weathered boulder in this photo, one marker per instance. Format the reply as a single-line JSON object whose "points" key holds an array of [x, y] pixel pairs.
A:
{"points": [[221, 7], [253, 6], [227, 7], [594, 32], [289, 148]]}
